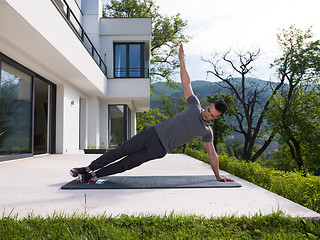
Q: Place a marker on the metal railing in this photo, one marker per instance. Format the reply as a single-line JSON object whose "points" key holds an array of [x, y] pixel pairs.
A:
{"points": [[131, 72], [74, 23]]}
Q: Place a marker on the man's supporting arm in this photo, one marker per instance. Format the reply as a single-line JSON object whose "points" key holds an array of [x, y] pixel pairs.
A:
{"points": [[214, 161], [185, 78]]}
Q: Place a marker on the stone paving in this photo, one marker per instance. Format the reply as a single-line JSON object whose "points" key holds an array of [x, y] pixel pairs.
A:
{"points": [[32, 186]]}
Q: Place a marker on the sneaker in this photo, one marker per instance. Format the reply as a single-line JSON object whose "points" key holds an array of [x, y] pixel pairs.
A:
{"points": [[74, 172], [86, 178]]}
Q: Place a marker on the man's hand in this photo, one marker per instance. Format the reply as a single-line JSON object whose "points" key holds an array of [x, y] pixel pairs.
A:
{"points": [[225, 179], [214, 161], [181, 53]]}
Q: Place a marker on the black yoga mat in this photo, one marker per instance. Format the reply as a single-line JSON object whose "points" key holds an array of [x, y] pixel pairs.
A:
{"points": [[153, 182]]}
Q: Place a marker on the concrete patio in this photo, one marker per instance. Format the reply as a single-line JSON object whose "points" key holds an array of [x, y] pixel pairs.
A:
{"points": [[32, 186]]}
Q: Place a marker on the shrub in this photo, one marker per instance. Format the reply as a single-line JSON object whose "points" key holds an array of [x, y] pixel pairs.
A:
{"points": [[291, 185]]}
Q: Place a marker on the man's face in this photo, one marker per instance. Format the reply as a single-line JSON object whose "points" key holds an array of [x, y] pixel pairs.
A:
{"points": [[211, 113]]}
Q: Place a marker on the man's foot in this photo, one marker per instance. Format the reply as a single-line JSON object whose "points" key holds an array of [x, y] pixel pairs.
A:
{"points": [[74, 172], [87, 178]]}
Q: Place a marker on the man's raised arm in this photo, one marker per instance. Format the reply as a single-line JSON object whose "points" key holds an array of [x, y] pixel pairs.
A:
{"points": [[185, 78]]}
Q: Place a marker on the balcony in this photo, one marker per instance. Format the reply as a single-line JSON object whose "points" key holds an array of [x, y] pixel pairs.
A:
{"points": [[75, 25]]}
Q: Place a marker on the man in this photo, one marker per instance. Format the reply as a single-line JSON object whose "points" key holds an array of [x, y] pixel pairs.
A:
{"points": [[155, 142]]}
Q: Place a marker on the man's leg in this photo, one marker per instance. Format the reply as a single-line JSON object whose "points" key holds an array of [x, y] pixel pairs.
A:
{"points": [[135, 144], [141, 148], [153, 150]]}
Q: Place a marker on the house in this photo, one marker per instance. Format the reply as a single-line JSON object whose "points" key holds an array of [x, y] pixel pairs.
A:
{"points": [[70, 79]]}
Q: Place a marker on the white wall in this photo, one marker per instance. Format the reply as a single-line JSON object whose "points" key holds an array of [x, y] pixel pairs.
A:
{"points": [[84, 118], [60, 119], [126, 26], [94, 121], [104, 116], [68, 120], [133, 122], [92, 13], [71, 119]]}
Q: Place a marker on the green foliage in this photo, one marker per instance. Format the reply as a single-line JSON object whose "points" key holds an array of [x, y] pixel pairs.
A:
{"points": [[167, 34], [281, 160], [235, 149], [300, 55], [170, 105], [291, 185], [150, 118], [97, 147], [294, 112], [273, 226]]}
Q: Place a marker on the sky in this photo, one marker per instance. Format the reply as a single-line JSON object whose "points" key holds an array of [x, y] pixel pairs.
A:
{"points": [[239, 25]]}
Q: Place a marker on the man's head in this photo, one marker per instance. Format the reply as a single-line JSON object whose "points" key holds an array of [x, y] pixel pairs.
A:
{"points": [[215, 110]]}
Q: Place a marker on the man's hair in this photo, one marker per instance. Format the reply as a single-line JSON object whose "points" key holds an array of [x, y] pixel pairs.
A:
{"points": [[221, 106]]}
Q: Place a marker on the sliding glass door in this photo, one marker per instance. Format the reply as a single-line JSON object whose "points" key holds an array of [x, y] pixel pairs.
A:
{"points": [[27, 112], [15, 111]]}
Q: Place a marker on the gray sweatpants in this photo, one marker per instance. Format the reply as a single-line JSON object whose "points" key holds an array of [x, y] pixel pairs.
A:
{"points": [[139, 149]]}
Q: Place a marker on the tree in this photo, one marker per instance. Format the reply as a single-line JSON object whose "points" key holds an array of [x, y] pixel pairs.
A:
{"points": [[252, 101], [167, 34], [171, 105], [294, 112], [297, 121], [150, 118]]}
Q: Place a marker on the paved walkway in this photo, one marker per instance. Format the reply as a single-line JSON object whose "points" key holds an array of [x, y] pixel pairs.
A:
{"points": [[32, 186]]}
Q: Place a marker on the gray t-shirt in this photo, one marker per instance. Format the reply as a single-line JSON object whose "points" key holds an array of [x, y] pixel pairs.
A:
{"points": [[184, 126]]}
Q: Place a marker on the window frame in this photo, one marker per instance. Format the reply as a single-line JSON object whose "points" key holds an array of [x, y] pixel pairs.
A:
{"points": [[142, 72]]}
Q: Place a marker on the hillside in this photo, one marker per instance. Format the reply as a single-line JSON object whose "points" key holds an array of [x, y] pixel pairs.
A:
{"points": [[203, 88]]}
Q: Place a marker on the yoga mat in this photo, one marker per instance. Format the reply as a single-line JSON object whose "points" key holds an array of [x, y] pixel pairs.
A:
{"points": [[152, 182]]}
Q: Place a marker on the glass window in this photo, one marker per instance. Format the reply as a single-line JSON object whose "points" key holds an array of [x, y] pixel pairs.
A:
{"points": [[129, 60], [41, 116], [134, 60], [116, 129], [120, 59], [119, 124], [15, 111]]}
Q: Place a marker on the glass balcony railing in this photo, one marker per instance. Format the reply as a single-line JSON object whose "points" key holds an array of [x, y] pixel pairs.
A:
{"points": [[131, 72], [74, 23]]}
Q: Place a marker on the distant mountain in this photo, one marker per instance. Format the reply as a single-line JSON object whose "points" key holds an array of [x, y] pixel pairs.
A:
{"points": [[203, 88]]}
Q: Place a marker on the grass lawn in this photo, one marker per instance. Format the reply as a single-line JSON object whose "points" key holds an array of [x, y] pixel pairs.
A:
{"points": [[274, 226]]}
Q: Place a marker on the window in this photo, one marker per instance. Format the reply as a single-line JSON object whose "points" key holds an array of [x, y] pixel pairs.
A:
{"points": [[129, 60], [119, 124]]}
